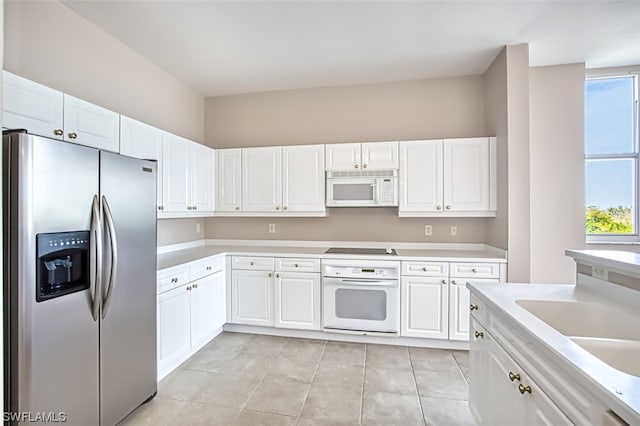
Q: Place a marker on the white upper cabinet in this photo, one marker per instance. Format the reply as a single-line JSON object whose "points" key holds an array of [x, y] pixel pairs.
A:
{"points": [[176, 184], [380, 155], [262, 179], [421, 176], [229, 179], [201, 163], [48, 112], [343, 156], [466, 174], [91, 125], [188, 176], [451, 177], [356, 156], [140, 140], [279, 180], [303, 178], [32, 106]]}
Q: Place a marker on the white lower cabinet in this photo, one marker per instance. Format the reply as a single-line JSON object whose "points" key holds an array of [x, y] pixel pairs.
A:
{"points": [[189, 314], [496, 380], [297, 300], [252, 297], [424, 307], [283, 292], [459, 301]]}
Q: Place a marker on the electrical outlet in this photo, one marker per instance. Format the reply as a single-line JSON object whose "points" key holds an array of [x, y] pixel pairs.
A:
{"points": [[197, 227], [454, 231], [428, 230], [272, 228]]}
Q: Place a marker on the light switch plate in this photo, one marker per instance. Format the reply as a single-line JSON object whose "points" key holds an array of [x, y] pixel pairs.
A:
{"points": [[272, 228], [428, 230], [454, 230]]}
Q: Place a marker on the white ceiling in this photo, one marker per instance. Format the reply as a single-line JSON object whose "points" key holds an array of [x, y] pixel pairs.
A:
{"points": [[230, 47]]}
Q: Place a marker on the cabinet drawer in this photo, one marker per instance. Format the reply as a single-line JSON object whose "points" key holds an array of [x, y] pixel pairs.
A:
{"points": [[475, 270], [426, 269], [252, 263], [208, 266], [292, 264], [172, 278]]}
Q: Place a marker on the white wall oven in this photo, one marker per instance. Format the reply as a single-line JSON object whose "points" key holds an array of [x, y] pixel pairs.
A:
{"points": [[361, 295]]}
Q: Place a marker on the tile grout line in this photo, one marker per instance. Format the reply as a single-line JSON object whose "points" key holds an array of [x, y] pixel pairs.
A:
{"points": [[415, 382], [262, 378], [245, 403], [459, 367], [304, 401], [364, 372]]}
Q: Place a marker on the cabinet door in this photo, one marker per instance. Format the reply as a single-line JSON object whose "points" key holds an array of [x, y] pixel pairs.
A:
{"points": [[303, 178], [202, 173], [479, 398], [421, 176], [32, 106], [252, 298], [466, 174], [424, 307], [262, 179], [380, 155], [220, 299], [342, 156], [175, 173], [174, 341], [229, 179], [91, 125], [203, 314], [297, 300], [140, 140], [459, 301]]}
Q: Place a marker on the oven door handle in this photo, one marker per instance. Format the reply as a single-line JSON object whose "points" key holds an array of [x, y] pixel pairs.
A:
{"points": [[360, 283]]}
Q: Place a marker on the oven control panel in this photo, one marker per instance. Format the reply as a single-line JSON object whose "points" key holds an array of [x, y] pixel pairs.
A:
{"points": [[366, 269]]}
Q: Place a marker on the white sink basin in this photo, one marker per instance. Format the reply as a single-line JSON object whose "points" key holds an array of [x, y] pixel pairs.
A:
{"points": [[585, 319], [623, 355]]}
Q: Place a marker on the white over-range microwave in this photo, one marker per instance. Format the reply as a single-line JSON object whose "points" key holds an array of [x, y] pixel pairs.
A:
{"points": [[374, 188]]}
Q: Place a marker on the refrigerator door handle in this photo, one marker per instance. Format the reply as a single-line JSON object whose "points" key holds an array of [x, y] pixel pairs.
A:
{"points": [[114, 254], [96, 258]]}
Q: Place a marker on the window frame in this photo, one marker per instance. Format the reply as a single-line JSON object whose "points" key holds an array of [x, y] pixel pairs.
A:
{"points": [[635, 155]]}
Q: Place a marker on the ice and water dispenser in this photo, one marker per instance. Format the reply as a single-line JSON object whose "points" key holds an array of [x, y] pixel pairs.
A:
{"points": [[62, 264]]}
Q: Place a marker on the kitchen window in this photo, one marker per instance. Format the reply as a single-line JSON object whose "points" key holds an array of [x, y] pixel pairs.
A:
{"points": [[611, 158]]}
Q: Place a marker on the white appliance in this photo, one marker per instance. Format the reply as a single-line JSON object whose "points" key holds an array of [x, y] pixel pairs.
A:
{"points": [[361, 295], [374, 188]]}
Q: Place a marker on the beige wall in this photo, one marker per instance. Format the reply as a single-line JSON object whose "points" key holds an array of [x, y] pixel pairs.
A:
{"points": [[422, 109], [48, 43], [557, 170], [519, 269], [436, 108], [348, 224], [174, 231], [495, 95]]}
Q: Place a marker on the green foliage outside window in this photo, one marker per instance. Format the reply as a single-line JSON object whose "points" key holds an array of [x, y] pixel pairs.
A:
{"points": [[613, 220]]}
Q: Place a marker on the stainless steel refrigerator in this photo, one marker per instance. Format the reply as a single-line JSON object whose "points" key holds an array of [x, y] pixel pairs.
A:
{"points": [[79, 281]]}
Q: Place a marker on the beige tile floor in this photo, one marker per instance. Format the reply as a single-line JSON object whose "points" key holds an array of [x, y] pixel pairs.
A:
{"points": [[246, 379]]}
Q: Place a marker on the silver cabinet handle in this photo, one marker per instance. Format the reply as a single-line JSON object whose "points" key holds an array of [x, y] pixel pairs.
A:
{"points": [[284, 208], [58, 132], [73, 135], [425, 269], [277, 275], [277, 207], [295, 265], [364, 166], [454, 282], [113, 241], [96, 258], [237, 208], [356, 166], [474, 270], [448, 207], [439, 208], [251, 263], [208, 268], [444, 281], [270, 275]]}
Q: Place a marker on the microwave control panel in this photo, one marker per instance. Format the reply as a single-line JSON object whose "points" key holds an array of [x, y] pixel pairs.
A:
{"points": [[387, 194]]}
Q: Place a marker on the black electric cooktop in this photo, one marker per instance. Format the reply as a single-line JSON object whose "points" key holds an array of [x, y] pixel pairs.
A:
{"points": [[365, 251]]}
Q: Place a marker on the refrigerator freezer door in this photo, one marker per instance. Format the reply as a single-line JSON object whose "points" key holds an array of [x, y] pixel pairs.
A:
{"points": [[128, 325], [53, 347]]}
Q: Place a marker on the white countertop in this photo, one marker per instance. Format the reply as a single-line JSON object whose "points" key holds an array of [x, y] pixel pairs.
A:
{"points": [[622, 261], [618, 390], [444, 253]]}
